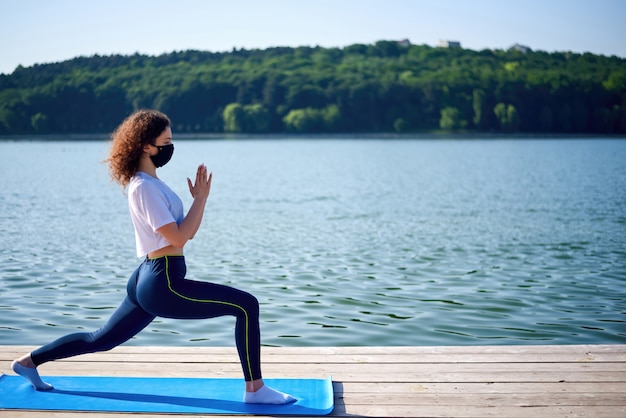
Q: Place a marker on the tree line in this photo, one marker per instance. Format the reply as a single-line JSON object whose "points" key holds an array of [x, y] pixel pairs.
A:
{"points": [[380, 87]]}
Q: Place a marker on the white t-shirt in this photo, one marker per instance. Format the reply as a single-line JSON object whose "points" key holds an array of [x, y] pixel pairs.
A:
{"points": [[152, 204]]}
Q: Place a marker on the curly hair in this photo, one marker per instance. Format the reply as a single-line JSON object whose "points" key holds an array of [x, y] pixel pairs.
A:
{"points": [[136, 131]]}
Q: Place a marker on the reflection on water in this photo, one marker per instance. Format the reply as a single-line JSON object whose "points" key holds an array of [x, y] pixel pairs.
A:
{"points": [[344, 242]]}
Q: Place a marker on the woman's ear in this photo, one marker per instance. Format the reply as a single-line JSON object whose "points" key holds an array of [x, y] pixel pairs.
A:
{"points": [[146, 149]]}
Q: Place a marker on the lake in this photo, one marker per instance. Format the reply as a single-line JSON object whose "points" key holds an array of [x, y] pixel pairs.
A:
{"points": [[343, 241]]}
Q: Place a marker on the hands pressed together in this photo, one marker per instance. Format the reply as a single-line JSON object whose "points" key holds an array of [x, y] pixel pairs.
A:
{"points": [[202, 186]]}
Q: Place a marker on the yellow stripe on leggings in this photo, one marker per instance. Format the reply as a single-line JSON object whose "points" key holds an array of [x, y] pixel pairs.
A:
{"points": [[169, 285]]}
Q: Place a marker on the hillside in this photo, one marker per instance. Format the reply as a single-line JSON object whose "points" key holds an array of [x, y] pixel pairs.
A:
{"points": [[382, 87]]}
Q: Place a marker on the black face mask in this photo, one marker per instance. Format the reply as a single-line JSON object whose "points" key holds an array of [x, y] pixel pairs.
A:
{"points": [[163, 156]]}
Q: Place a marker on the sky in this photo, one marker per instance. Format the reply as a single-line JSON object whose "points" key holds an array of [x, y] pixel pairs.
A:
{"points": [[46, 31]]}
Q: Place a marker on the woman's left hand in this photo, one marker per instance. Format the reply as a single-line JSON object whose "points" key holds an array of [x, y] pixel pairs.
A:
{"points": [[202, 187]]}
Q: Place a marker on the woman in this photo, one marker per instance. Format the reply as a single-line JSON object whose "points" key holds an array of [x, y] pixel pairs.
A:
{"points": [[158, 287]]}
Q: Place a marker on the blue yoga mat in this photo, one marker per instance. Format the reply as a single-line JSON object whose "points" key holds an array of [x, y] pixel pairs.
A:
{"points": [[164, 395]]}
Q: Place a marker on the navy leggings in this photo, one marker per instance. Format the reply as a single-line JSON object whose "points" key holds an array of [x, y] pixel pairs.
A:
{"points": [[158, 288]]}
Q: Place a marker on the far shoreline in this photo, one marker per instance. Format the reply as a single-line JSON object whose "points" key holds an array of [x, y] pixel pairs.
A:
{"points": [[221, 136]]}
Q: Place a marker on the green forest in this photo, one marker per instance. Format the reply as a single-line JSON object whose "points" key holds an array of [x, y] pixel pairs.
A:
{"points": [[385, 87]]}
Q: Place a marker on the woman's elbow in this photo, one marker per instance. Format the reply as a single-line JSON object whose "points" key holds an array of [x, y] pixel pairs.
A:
{"points": [[173, 235], [178, 242]]}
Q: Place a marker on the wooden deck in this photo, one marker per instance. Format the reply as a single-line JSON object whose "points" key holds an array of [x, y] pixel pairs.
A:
{"points": [[470, 381]]}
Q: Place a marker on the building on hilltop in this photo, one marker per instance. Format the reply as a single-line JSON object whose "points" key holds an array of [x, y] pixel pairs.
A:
{"points": [[404, 43], [521, 48], [448, 44]]}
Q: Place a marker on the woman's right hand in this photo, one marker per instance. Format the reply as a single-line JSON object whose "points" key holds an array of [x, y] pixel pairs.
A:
{"points": [[202, 186]]}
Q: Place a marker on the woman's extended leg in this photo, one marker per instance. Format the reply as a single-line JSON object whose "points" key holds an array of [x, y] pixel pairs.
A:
{"points": [[127, 320]]}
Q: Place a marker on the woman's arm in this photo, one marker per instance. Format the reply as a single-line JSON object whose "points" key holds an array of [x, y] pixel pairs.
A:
{"points": [[178, 235]]}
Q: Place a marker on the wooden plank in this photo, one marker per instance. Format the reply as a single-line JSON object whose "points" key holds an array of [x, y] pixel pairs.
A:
{"points": [[344, 354], [362, 368], [478, 411], [402, 372], [379, 377], [337, 359], [481, 387], [491, 399]]}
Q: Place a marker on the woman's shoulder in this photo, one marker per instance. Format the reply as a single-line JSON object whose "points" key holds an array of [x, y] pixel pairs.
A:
{"points": [[136, 180], [140, 181], [144, 183]]}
